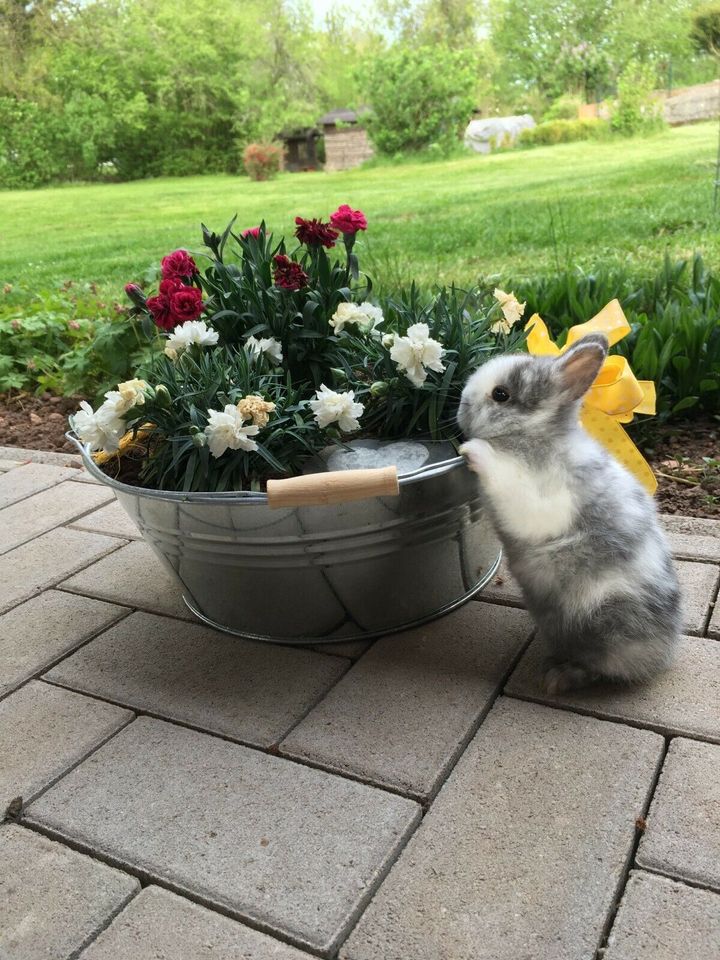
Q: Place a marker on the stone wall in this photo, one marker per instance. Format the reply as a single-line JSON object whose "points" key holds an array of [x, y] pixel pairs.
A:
{"points": [[346, 147], [701, 102]]}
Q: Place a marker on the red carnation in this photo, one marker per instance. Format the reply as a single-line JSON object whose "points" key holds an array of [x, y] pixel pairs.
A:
{"points": [[178, 264], [186, 304], [175, 304], [251, 232], [315, 232], [347, 220], [288, 274]]}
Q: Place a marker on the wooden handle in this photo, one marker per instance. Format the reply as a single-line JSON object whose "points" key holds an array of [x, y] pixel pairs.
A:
{"points": [[340, 486]]}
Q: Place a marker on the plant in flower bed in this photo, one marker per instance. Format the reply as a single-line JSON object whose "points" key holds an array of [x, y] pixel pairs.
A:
{"points": [[268, 353]]}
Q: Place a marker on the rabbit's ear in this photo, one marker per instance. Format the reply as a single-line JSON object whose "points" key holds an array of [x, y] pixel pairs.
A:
{"points": [[581, 364]]}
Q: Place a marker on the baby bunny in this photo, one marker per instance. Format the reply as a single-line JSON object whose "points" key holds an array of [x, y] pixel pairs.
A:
{"points": [[580, 534]]}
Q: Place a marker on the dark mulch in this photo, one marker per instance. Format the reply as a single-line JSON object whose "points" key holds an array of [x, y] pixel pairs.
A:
{"points": [[684, 456]]}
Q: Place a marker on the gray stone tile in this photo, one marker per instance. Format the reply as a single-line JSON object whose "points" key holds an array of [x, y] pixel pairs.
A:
{"points": [[287, 847], [111, 520], [10, 464], [134, 576], [503, 588], [47, 559], [159, 924], [682, 700], [660, 919], [37, 514], [42, 456], [352, 649], [699, 583], [43, 732], [683, 826], [54, 900], [521, 854], [401, 715], [253, 692], [28, 479], [714, 628], [693, 538], [37, 633]]}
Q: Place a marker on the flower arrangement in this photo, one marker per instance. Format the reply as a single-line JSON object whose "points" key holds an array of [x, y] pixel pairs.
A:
{"points": [[266, 354]]}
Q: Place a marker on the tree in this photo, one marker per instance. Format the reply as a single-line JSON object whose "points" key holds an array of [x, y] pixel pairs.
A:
{"points": [[705, 29], [420, 96]]}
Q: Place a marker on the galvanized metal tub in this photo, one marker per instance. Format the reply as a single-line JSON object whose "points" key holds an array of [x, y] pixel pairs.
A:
{"points": [[315, 574]]}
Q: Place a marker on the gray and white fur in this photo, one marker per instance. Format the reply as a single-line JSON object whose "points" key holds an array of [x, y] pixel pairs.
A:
{"points": [[580, 534]]}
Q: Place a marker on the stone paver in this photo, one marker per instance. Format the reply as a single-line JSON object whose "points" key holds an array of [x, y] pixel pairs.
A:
{"points": [[134, 576], [503, 588], [37, 633], [10, 464], [684, 700], [42, 456], [714, 628], [43, 732], [693, 538], [248, 691], [291, 848], [522, 852], [28, 479], [660, 919], [35, 515], [43, 562], [111, 520], [159, 924], [683, 827], [54, 900], [400, 716], [699, 584]]}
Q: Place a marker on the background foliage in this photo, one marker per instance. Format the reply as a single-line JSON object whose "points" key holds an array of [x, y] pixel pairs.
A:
{"points": [[123, 89]]}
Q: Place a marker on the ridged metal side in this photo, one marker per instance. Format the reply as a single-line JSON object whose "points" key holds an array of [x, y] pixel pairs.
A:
{"points": [[319, 574]]}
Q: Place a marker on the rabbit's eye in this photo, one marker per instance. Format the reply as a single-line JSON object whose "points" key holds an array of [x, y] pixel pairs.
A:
{"points": [[500, 395]]}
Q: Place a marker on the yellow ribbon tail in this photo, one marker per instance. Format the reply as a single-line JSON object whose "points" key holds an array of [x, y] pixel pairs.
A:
{"points": [[611, 321], [538, 340], [610, 434]]}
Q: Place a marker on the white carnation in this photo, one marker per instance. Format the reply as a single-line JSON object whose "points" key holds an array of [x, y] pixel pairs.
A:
{"points": [[416, 353], [341, 408], [512, 311], [102, 429], [268, 346], [226, 430], [186, 334], [365, 316]]}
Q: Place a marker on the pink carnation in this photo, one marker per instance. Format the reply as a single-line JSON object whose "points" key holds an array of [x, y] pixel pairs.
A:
{"points": [[347, 220]]}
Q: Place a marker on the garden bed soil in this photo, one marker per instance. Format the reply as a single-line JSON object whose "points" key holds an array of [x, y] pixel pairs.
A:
{"points": [[685, 456]]}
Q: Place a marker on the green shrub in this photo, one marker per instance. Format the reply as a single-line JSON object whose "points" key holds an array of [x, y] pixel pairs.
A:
{"points": [[67, 341], [636, 110], [420, 96], [675, 320], [705, 30], [563, 131], [565, 107]]}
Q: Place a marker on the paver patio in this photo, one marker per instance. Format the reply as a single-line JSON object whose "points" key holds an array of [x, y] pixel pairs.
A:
{"points": [[170, 791]]}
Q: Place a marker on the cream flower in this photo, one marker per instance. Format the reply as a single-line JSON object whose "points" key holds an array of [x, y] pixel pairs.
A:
{"points": [[512, 311], [366, 316], [269, 346], [185, 334], [341, 408], [132, 392], [417, 353], [102, 429], [226, 430], [256, 409]]}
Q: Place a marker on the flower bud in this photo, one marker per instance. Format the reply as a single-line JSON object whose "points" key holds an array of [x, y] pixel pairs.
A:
{"points": [[388, 340], [135, 294], [339, 374], [162, 396], [379, 388]]}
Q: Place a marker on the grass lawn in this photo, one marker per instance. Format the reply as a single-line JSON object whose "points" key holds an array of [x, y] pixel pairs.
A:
{"points": [[520, 212]]}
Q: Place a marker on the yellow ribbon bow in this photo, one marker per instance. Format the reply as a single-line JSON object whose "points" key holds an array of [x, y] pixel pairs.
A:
{"points": [[615, 396]]}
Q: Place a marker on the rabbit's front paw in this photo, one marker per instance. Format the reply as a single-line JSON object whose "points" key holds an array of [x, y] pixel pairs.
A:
{"points": [[478, 454]]}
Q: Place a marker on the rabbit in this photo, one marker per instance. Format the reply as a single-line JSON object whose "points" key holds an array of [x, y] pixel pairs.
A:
{"points": [[581, 535]]}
